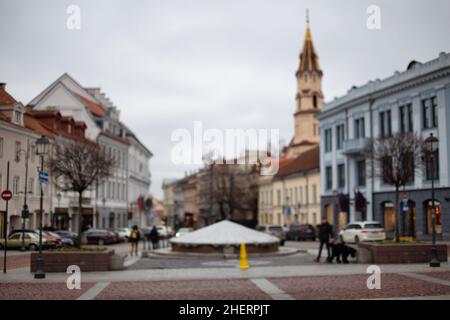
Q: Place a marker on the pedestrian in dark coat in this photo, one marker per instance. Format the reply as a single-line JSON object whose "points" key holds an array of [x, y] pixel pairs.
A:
{"points": [[325, 234], [154, 237]]}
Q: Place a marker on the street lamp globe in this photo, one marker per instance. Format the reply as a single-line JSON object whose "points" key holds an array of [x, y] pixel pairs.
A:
{"points": [[432, 144], [42, 146]]}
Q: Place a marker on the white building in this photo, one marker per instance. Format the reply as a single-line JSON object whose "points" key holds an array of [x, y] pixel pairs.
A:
{"points": [[415, 100]]}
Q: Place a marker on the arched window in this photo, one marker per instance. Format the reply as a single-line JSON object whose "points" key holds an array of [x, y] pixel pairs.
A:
{"points": [[315, 102]]}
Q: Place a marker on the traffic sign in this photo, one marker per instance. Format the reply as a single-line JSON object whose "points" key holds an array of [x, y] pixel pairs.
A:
{"points": [[7, 195], [43, 176]]}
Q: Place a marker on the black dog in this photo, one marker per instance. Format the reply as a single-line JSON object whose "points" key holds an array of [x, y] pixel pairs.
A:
{"points": [[339, 250]]}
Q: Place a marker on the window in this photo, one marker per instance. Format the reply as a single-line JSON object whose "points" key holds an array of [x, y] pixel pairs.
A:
{"points": [[301, 194], [314, 193], [17, 117], [30, 185], [1, 147], [361, 173], [33, 153], [328, 140], [278, 197], [328, 178], [430, 113], [406, 118], [306, 195], [16, 184], [386, 169], [340, 136], [315, 102], [341, 176], [432, 166], [360, 129], [385, 124], [17, 151]]}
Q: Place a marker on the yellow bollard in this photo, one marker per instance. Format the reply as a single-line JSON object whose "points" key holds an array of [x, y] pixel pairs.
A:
{"points": [[243, 258]]}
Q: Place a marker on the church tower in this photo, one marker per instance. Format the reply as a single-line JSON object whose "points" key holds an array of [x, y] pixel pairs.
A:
{"points": [[309, 99]]}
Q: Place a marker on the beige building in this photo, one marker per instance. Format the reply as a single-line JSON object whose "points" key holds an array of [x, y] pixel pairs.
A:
{"points": [[17, 139], [293, 194]]}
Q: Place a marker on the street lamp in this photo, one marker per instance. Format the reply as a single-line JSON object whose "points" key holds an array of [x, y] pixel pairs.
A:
{"points": [[42, 147], [25, 211], [432, 145], [58, 197]]}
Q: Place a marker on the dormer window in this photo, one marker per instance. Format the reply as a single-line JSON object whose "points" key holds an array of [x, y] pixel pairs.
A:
{"points": [[17, 117], [69, 129]]}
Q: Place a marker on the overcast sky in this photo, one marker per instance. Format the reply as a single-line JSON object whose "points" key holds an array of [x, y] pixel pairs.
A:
{"points": [[228, 63]]}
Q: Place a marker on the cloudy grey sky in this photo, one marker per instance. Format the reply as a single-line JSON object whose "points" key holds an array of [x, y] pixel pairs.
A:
{"points": [[228, 63]]}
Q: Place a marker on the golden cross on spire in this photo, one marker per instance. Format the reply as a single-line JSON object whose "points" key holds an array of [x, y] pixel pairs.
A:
{"points": [[307, 16]]}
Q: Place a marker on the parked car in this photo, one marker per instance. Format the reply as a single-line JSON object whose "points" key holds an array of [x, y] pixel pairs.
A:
{"points": [[51, 241], [65, 241], [99, 236], [145, 232], [273, 230], [68, 234], [31, 240], [301, 232], [117, 237], [164, 231], [51, 238], [356, 232], [124, 233], [183, 231]]}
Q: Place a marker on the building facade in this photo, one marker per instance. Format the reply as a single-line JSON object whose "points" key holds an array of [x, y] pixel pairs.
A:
{"points": [[111, 203], [415, 100], [292, 195]]}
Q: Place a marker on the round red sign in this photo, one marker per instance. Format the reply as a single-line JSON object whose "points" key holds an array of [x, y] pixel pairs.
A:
{"points": [[7, 195]]}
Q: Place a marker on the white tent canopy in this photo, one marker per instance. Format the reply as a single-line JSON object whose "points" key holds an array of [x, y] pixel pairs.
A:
{"points": [[225, 233]]}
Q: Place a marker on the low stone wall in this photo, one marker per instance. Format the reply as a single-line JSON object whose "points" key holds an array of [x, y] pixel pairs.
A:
{"points": [[399, 253], [59, 261], [225, 249]]}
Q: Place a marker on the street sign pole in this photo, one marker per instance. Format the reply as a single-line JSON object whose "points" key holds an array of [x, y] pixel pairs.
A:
{"points": [[5, 222]]}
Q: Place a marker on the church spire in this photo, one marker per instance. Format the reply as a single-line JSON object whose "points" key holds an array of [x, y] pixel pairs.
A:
{"points": [[309, 61]]}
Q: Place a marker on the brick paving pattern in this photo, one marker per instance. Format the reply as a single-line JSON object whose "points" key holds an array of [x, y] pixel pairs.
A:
{"points": [[439, 275], [184, 290], [15, 262], [354, 287], [40, 291]]}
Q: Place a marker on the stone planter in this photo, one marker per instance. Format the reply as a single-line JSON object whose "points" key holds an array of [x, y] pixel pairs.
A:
{"points": [[87, 261], [375, 253]]}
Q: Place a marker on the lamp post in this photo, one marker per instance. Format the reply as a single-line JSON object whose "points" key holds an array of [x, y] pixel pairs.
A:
{"points": [[42, 146], [58, 197], [432, 144], [25, 211]]}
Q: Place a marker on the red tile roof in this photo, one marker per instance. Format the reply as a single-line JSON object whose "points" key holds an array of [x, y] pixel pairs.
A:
{"points": [[96, 109], [114, 137], [306, 161], [5, 98]]}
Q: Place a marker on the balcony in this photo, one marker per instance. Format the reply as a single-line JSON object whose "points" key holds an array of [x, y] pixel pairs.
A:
{"points": [[355, 146]]}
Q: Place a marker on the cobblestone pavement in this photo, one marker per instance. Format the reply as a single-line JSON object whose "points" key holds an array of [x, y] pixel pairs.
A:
{"points": [[40, 291], [234, 289], [355, 287], [301, 288]]}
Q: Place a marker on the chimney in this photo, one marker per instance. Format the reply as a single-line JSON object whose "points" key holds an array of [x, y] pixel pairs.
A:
{"points": [[3, 85]]}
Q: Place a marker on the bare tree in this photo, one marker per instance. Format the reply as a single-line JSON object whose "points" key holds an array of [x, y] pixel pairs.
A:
{"points": [[228, 190], [76, 166], [395, 160]]}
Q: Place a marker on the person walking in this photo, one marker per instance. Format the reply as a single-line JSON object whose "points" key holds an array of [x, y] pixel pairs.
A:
{"points": [[154, 237], [325, 234], [135, 236]]}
